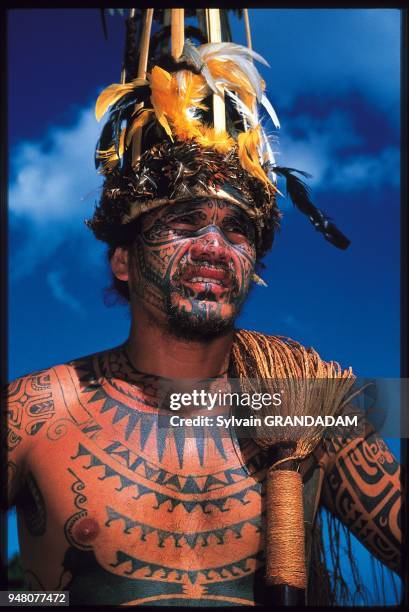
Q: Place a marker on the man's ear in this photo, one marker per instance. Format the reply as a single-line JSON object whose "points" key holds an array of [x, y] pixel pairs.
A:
{"points": [[119, 264]]}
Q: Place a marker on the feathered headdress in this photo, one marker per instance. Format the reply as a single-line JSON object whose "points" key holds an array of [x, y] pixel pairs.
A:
{"points": [[187, 123]]}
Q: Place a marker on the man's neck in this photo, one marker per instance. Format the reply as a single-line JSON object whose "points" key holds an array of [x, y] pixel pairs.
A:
{"points": [[154, 350]]}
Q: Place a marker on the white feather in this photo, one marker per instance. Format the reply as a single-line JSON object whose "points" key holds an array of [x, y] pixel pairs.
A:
{"points": [[270, 155], [243, 59], [180, 77], [241, 56], [265, 150], [243, 109], [228, 50], [209, 79], [267, 105]]}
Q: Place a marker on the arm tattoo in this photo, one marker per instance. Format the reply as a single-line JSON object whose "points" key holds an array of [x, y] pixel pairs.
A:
{"points": [[28, 405], [362, 488]]}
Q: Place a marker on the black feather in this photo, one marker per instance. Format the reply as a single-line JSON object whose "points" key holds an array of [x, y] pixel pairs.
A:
{"points": [[139, 94], [104, 23], [105, 141], [300, 197], [121, 111]]}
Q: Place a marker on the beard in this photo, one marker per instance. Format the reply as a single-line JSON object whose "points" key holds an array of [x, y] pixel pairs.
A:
{"points": [[185, 327], [201, 324]]}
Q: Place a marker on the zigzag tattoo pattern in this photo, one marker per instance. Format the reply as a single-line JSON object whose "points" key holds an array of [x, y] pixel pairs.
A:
{"points": [[202, 538], [137, 415], [163, 572], [190, 486]]}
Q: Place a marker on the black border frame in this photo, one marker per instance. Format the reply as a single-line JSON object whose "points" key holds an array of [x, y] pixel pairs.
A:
{"points": [[404, 298]]}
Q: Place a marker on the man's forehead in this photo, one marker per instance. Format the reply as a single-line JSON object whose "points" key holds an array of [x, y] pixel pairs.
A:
{"points": [[205, 204]]}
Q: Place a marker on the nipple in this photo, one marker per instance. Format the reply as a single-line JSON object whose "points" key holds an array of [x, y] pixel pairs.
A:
{"points": [[86, 530]]}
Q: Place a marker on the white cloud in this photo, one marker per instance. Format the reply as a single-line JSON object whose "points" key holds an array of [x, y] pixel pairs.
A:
{"points": [[333, 152], [361, 171], [53, 176], [54, 281], [53, 189]]}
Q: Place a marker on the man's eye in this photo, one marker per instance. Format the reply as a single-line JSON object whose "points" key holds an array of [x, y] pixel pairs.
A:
{"points": [[185, 221], [234, 227], [238, 228]]}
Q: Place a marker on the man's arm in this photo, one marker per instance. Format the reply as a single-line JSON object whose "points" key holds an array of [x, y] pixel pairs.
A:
{"points": [[29, 405], [362, 488]]}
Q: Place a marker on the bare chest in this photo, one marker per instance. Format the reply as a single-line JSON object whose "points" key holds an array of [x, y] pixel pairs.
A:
{"points": [[131, 512]]}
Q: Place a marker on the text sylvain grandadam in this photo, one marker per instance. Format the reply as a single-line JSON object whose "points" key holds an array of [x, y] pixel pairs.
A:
{"points": [[269, 420]]}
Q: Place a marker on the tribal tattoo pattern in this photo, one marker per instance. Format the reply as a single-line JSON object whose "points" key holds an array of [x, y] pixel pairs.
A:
{"points": [[130, 514], [29, 407], [194, 262], [169, 520], [362, 488], [78, 529], [31, 503]]}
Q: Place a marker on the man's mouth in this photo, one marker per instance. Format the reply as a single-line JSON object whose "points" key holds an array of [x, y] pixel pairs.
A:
{"points": [[207, 274]]}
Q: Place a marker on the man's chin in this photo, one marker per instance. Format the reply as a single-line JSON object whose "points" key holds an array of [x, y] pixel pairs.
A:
{"points": [[200, 320]]}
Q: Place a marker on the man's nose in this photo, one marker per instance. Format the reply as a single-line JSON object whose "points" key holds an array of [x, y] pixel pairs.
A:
{"points": [[210, 245]]}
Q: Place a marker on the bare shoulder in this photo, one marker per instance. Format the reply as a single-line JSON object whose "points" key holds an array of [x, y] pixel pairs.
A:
{"points": [[33, 401]]}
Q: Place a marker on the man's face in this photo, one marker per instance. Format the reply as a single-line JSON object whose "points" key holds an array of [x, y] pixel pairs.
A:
{"points": [[192, 264]]}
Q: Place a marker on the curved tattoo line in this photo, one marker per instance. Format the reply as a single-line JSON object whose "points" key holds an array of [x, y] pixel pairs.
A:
{"points": [[80, 499]]}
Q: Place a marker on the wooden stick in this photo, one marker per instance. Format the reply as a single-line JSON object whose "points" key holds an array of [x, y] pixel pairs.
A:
{"points": [[247, 26], [206, 11], [177, 32], [215, 35], [123, 72], [144, 45], [142, 67]]}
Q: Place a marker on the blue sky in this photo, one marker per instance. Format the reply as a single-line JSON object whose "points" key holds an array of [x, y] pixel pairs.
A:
{"points": [[334, 82]]}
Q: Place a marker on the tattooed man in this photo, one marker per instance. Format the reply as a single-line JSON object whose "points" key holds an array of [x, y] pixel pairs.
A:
{"points": [[117, 510], [111, 506]]}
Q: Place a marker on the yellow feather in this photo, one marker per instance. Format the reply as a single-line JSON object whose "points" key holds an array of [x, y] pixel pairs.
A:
{"points": [[235, 79], [173, 99], [142, 120], [110, 157], [221, 141], [112, 94], [165, 124], [162, 96], [185, 128], [193, 89], [248, 154]]}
